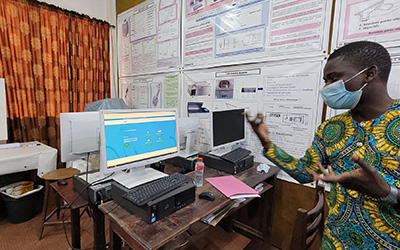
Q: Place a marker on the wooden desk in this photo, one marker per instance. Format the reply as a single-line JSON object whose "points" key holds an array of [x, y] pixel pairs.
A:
{"points": [[140, 235], [71, 196]]}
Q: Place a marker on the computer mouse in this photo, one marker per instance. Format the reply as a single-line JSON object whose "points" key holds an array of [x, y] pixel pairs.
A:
{"points": [[207, 196], [62, 182]]}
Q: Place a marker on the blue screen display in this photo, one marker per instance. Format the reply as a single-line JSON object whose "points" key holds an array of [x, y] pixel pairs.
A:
{"points": [[143, 135]]}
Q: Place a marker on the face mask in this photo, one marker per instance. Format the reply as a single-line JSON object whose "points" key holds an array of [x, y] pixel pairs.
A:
{"points": [[336, 96]]}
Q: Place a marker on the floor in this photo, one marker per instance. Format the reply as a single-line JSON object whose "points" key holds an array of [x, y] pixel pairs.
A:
{"points": [[25, 235]]}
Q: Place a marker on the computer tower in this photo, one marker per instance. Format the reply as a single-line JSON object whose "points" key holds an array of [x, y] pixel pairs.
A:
{"points": [[216, 162], [158, 208]]}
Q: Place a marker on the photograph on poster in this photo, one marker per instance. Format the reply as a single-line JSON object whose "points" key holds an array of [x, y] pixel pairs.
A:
{"points": [[202, 88], [155, 93], [126, 90], [224, 89]]}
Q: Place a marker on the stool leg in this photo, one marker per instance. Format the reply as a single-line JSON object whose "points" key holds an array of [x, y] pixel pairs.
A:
{"points": [[58, 204], [45, 203]]}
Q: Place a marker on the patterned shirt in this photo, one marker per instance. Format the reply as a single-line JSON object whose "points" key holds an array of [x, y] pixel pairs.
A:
{"points": [[355, 220]]}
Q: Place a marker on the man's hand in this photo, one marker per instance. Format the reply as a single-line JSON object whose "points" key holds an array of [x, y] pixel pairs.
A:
{"points": [[365, 179], [261, 129]]}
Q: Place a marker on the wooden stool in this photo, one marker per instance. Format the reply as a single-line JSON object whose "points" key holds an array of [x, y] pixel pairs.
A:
{"points": [[61, 173]]}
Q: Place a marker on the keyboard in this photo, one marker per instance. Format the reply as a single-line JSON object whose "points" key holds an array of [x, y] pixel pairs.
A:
{"points": [[147, 192], [236, 154]]}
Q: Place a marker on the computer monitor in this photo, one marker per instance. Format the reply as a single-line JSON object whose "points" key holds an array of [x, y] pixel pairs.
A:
{"points": [[132, 138], [79, 134], [227, 129]]}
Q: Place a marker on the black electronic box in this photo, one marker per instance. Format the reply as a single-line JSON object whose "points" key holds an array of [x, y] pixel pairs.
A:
{"points": [[96, 193], [218, 163], [158, 208]]}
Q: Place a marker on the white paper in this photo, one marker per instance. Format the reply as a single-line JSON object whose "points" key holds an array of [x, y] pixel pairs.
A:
{"points": [[374, 20], [232, 32], [149, 38]]}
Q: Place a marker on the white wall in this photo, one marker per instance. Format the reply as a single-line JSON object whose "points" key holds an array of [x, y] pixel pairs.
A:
{"points": [[100, 9]]}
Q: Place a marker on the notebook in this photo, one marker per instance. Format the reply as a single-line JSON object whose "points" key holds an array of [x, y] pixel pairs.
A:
{"points": [[232, 187]]}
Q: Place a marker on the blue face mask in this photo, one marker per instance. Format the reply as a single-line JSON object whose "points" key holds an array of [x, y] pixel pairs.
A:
{"points": [[336, 96]]}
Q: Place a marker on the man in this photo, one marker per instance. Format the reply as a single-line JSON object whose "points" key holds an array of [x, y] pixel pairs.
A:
{"points": [[357, 152]]}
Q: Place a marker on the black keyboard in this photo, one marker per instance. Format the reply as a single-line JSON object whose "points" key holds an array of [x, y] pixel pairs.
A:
{"points": [[236, 154], [147, 192]]}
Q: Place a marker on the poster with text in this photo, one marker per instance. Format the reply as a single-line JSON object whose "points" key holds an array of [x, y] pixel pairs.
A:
{"points": [[228, 32], [149, 38], [372, 20]]}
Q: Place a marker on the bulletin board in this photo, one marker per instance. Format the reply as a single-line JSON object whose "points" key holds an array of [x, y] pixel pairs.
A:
{"points": [[286, 93], [262, 55], [226, 32], [149, 38]]}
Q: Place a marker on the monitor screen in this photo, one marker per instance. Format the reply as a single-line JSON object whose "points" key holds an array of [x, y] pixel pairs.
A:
{"points": [[80, 134], [135, 138], [227, 126]]}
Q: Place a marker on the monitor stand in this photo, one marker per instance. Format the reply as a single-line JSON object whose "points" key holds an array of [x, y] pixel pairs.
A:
{"points": [[137, 176], [220, 151]]}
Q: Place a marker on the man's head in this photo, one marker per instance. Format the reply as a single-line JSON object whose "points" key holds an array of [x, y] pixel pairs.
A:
{"points": [[365, 54], [356, 73]]}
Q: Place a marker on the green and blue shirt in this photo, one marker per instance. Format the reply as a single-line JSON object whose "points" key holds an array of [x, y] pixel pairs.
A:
{"points": [[355, 220]]}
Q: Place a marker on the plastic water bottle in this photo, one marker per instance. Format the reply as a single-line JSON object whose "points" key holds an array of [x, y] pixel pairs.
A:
{"points": [[199, 172]]}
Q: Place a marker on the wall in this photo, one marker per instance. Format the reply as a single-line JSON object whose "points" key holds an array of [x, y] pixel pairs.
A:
{"points": [[123, 5], [100, 9]]}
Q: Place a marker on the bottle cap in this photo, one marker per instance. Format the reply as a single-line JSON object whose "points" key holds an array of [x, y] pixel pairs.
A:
{"points": [[200, 159]]}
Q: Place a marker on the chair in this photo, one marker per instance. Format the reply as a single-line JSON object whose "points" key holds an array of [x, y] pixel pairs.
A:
{"points": [[57, 174], [309, 224]]}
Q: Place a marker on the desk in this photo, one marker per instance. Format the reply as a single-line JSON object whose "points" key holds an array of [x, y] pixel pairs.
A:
{"points": [[30, 155], [140, 235], [69, 194]]}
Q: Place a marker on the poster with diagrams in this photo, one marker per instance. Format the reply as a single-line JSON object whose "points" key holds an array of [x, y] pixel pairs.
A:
{"points": [[373, 20], [149, 38], [150, 91], [287, 93], [223, 32]]}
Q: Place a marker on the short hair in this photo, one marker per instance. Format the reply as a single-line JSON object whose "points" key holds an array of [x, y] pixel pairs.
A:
{"points": [[365, 54]]}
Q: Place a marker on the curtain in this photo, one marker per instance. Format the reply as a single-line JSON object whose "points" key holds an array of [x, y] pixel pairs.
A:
{"points": [[53, 61]]}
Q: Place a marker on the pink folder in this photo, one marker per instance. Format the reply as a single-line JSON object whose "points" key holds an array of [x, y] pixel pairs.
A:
{"points": [[232, 187]]}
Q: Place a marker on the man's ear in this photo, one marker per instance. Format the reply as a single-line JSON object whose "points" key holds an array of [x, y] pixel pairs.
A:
{"points": [[371, 73]]}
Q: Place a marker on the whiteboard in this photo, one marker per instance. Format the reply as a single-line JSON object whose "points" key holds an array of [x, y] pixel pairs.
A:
{"points": [[227, 32], [149, 38], [3, 111]]}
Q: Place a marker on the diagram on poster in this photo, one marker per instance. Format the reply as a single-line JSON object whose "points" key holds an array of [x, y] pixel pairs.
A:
{"points": [[155, 95], [375, 20]]}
